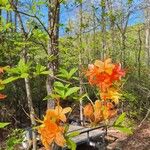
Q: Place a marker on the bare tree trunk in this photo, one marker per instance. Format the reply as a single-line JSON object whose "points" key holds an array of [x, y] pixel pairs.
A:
{"points": [[148, 45], [103, 26], [53, 19], [0, 16], [15, 17], [32, 112], [27, 82], [80, 62], [139, 54], [147, 22]]}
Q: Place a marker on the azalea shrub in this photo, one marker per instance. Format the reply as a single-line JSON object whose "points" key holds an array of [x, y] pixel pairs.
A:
{"points": [[53, 129], [106, 76]]}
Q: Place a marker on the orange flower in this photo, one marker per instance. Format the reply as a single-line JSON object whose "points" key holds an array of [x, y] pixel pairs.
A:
{"points": [[51, 132], [111, 94], [105, 66], [2, 96], [117, 73], [104, 74], [109, 113], [58, 114], [1, 70], [101, 110], [98, 111], [88, 111]]}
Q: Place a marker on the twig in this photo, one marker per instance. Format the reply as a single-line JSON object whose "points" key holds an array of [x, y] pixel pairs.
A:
{"points": [[146, 116]]}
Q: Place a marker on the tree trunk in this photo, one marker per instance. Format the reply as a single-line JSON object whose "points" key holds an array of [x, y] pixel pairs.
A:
{"points": [[139, 54], [148, 45], [27, 82], [147, 22], [53, 19], [31, 110], [15, 17], [103, 26], [80, 63], [0, 15]]}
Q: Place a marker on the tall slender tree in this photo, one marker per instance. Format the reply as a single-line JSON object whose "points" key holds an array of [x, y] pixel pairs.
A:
{"points": [[53, 41]]}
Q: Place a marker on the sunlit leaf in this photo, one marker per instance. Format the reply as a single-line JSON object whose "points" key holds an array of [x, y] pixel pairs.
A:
{"points": [[71, 91], [3, 124], [10, 79], [120, 119], [73, 134]]}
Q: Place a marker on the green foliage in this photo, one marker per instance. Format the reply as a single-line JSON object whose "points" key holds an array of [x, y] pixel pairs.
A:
{"points": [[68, 75], [70, 143], [64, 91], [15, 138], [22, 70], [79, 1], [3, 124], [73, 134], [10, 79], [41, 70], [119, 124]]}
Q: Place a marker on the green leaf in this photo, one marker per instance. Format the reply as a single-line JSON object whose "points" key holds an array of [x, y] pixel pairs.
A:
{"points": [[2, 87], [3, 124], [58, 84], [66, 128], [52, 97], [71, 91], [72, 72], [120, 119], [124, 129], [3, 2], [24, 75], [10, 79], [82, 97], [71, 144], [46, 72], [63, 73], [73, 134]]}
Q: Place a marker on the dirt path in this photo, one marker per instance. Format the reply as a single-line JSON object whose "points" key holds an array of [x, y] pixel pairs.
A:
{"points": [[139, 140]]}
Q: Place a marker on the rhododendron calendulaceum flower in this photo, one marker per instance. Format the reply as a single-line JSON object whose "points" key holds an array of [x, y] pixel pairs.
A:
{"points": [[52, 128], [99, 111], [104, 75]]}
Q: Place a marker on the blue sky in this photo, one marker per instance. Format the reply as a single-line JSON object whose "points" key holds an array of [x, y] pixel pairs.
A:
{"points": [[135, 18], [65, 15]]}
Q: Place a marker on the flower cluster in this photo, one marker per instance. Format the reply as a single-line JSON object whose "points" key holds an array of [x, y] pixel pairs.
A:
{"points": [[52, 129], [99, 111], [2, 96], [106, 76]]}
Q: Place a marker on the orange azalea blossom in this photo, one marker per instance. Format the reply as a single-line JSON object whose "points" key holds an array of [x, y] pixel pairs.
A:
{"points": [[58, 113], [103, 74], [99, 111], [51, 130], [2, 96], [89, 112], [105, 66], [1, 70], [111, 94]]}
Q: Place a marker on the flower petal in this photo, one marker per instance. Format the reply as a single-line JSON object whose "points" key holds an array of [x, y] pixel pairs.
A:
{"points": [[66, 110]]}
